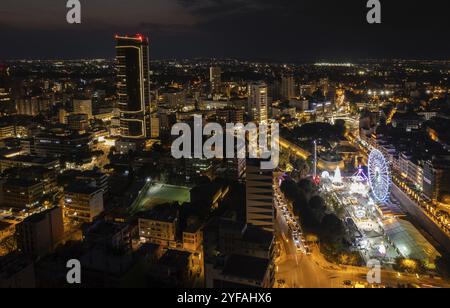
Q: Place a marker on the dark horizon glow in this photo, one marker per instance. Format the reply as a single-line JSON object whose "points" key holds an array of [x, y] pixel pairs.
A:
{"points": [[281, 30]]}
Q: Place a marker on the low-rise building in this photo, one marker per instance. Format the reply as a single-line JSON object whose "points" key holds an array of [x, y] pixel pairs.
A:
{"points": [[159, 226], [238, 255], [192, 238], [78, 122], [83, 203], [109, 235], [28, 161], [21, 193], [39, 234]]}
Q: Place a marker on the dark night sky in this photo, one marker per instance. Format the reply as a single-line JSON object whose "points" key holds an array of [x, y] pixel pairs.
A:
{"points": [[257, 29]]}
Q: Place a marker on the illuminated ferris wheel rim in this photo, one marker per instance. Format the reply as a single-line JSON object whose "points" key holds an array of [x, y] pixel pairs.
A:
{"points": [[379, 176]]}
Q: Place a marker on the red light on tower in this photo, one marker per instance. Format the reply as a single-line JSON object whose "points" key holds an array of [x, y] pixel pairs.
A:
{"points": [[140, 37]]}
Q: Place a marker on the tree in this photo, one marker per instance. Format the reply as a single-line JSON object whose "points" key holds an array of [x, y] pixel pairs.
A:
{"points": [[443, 267], [332, 230], [339, 125], [289, 189], [300, 204], [306, 185], [8, 245], [317, 207]]}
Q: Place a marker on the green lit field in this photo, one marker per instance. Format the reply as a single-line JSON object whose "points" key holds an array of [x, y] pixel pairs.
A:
{"points": [[156, 194]]}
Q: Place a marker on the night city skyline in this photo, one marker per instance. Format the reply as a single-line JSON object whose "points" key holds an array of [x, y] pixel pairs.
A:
{"points": [[210, 146]]}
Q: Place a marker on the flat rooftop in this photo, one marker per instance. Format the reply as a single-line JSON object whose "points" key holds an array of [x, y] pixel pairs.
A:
{"points": [[30, 159], [246, 267]]}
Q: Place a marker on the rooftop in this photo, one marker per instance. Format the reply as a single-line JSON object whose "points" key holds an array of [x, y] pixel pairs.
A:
{"points": [[20, 182], [82, 188], [409, 241], [246, 267], [164, 212], [175, 258], [31, 159]]}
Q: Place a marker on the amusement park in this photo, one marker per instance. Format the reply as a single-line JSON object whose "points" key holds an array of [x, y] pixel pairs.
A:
{"points": [[376, 225]]}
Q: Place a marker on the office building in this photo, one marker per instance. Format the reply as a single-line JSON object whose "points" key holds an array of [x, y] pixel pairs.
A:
{"points": [[39, 234], [94, 178], [173, 98], [78, 122], [238, 255], [32, 106], [159, 226], [23, 161], [62, 144], [133, 85], [7, 131], [22, 193], [83, 106], [83, 203], [436, 182], [258, 103], [111, 236], [192, 238], [259, 196], [411, 169], [48, 177], [230, 115]]}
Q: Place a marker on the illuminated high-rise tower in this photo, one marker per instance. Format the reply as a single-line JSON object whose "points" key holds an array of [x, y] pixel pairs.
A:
{"points": [[133, 86], [258, 102]]}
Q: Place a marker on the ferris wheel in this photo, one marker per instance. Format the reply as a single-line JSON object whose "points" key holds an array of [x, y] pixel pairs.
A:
{"points": [[379, 176]]}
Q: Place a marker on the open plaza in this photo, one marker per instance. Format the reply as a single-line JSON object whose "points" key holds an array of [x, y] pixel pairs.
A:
{"points": [[375, 223]]}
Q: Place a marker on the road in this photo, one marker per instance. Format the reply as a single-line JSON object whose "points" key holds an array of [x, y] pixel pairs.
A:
{"points": [[303, 154]]}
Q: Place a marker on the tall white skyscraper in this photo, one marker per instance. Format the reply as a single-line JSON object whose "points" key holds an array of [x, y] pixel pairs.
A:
{"points": [[258, 102]]}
